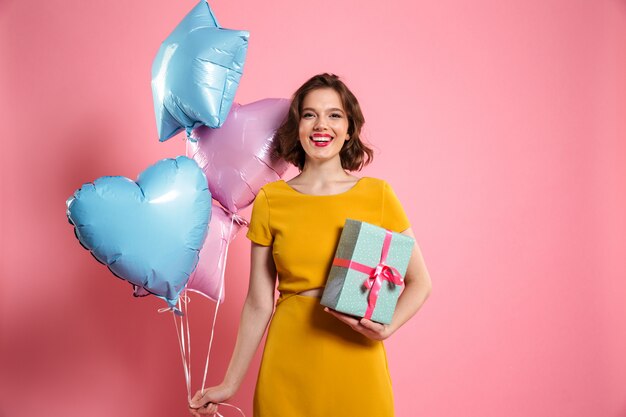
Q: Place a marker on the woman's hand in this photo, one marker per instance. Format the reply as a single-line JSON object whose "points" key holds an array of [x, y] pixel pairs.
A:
{"points": [[368, 328], [417, 287], [205, 402]]}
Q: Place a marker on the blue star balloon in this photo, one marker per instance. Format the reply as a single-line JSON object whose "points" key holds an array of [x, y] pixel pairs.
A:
{"points": [[196, 73], [147, 232]]}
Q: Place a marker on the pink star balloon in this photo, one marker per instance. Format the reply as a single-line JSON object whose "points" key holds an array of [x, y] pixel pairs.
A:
{"points": [[239, 158]]}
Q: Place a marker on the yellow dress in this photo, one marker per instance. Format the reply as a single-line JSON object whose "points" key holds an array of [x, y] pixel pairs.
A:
{"points": [[314, 365]]}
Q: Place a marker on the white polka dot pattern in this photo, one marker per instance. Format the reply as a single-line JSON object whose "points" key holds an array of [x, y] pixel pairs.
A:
{"points": [[363, 243]]}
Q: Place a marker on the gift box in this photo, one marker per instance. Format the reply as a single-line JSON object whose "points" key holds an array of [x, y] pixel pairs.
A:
{"points": [[367, 274]]}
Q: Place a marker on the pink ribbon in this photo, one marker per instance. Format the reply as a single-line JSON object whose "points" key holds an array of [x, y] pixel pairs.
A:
{"points": [[375, 275]]}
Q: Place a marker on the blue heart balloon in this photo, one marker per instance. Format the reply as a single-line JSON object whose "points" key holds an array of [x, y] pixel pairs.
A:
{"points": [[147, 232], [196, 72]]}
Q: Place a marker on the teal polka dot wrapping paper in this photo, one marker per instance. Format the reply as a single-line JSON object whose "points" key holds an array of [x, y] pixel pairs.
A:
{"points": [[358, 255]]}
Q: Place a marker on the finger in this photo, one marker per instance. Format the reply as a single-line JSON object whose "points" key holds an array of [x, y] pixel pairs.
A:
{"points": [[368, 324], [196, 401], [210, 409], [198, 395], [204, 400], [343, 317]]}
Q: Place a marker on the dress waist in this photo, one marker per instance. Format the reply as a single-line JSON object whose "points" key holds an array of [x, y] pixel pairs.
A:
{"points": [[313, 293]]}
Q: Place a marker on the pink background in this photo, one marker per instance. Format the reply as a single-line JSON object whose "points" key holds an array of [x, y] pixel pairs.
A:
{"points": [[501, 125]]}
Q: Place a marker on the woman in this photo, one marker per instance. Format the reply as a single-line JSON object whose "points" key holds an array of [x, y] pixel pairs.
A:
{"points": [[316, 362]]}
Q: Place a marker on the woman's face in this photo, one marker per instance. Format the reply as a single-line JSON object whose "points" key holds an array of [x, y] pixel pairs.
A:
{"points": [[323, 127]]}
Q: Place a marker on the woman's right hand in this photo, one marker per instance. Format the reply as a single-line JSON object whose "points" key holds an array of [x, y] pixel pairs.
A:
{"points": [[205, 401], [256, 313]]}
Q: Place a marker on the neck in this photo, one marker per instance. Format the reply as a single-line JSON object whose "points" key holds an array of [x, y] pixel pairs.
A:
{"points": [[323, 171]]}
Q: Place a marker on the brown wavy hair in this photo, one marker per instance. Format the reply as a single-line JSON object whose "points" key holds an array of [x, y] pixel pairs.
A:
{"points": [[354, 155]]}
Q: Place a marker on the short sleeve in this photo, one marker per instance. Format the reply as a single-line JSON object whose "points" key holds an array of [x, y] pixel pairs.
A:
{"points": [[394, 218], [259, 228]]}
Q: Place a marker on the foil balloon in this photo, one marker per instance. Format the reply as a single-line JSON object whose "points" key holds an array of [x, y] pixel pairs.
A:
{"points": [[196, 72], [239, 158], [208, 277], [147, 232]]}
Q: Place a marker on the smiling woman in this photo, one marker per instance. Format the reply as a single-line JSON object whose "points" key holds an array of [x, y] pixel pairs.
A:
{"points": [[324, 126], [316, 361], [322, 103]]}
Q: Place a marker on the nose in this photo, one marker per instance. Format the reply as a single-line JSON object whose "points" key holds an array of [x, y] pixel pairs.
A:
{"points": [[320, 124]]}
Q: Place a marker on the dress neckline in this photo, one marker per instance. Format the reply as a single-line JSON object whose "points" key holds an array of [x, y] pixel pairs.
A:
{"points": [[324, 195]]}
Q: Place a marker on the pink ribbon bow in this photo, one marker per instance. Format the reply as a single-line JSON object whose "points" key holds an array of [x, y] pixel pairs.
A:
{"points": [[376, 275]]}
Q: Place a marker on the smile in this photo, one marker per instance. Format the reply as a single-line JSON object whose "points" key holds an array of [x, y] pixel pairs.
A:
{"points": [[321, 139]]}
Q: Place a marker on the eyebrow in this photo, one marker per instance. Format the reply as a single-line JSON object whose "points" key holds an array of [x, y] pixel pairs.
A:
{"points": [[332, 109]]}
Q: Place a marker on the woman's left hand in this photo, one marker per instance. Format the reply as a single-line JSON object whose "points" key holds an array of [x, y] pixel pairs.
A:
{"points": [[368, 328]]}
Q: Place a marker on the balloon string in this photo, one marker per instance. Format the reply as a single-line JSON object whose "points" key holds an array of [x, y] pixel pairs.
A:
{"points": [[230, 405], [186, 315], [239, 220], [217, 303], [181, 341]]}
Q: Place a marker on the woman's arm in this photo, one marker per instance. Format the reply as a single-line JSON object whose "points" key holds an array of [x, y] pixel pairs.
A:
{"points": [[417, 287], [256, 314]]}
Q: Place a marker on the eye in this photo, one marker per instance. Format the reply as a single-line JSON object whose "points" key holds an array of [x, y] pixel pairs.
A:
{"points": [[308, 115], [336, 115]]}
